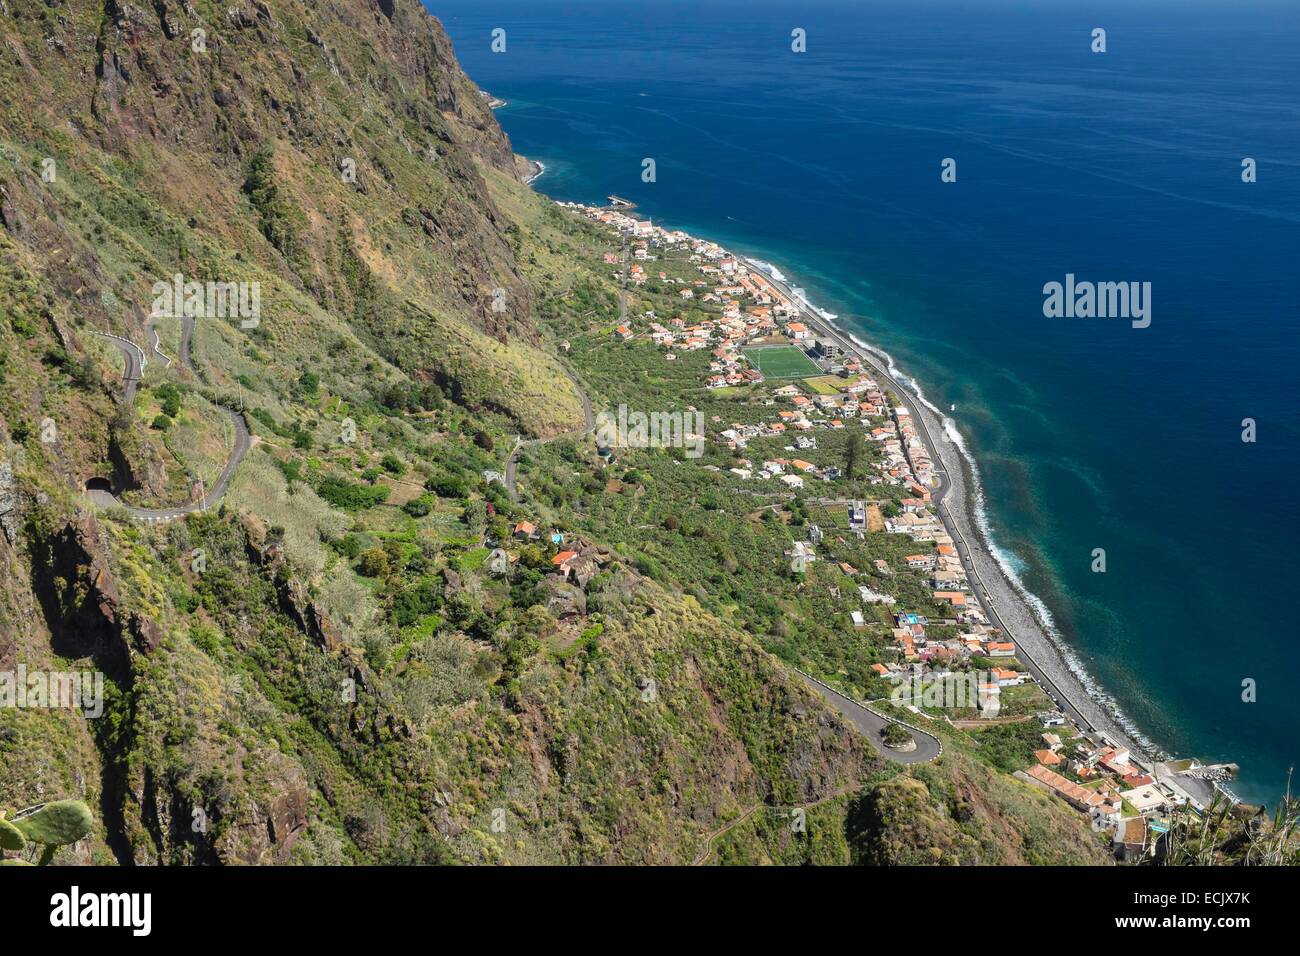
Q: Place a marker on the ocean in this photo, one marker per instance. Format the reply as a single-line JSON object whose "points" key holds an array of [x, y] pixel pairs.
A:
{"points": [[1116, 166]]}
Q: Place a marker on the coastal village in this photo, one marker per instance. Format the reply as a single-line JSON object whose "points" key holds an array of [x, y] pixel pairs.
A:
{"points": [[956, 666]]}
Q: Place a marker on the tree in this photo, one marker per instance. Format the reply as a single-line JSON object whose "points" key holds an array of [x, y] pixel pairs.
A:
{"points": [[418, 507], [852, 451]]}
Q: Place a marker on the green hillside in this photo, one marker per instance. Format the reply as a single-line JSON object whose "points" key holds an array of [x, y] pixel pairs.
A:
{"points": [[329, 664]]}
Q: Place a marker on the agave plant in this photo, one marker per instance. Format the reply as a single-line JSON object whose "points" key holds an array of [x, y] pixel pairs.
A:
{"points": [[1279, 843], [39, 831], [1223, 836]]}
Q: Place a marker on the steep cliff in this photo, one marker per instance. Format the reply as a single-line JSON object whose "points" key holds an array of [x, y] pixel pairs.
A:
{"points": [[279, 529]]}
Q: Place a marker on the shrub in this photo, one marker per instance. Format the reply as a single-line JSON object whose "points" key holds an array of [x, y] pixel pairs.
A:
{"points": [[349, 545], [895, 734], [348, 495], [418, 507], [447, 486], [374, 563]]}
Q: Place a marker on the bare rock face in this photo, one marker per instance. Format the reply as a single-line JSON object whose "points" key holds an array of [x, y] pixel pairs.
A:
{"points": [[310, 617], [137, 465], [10, 216], [227, 828], [265, 834], [73, 580], [9, 513], [563, 599]]}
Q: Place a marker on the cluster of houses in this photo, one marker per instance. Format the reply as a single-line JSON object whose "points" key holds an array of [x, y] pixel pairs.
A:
{"points": [[573, 563], [751, 308], [1119, 793]]}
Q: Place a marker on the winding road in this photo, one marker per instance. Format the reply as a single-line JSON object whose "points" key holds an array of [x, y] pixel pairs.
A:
{"points": [[871, 724], [136, 362]]}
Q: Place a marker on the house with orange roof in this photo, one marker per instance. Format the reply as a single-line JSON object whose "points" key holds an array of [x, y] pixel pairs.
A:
{"points": [[1078, 797]]}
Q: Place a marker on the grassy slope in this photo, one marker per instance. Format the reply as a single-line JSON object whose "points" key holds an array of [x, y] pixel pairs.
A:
{"points": [[477, 700]]}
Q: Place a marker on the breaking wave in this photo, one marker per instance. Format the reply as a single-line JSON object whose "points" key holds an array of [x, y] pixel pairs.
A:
{"points": [[1008, 561], [1011, 564]]}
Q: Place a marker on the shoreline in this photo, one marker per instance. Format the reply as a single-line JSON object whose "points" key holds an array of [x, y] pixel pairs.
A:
{"points": [[1006, 601], [957, 496]]}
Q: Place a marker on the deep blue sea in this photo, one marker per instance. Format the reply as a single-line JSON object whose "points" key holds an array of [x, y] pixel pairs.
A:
{"points": [[1116, 166]]}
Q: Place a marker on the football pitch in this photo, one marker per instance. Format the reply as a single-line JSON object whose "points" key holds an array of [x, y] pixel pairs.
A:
{"points": [[781, 361]]}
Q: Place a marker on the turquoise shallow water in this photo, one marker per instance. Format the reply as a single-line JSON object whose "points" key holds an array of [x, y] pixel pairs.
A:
{"points": [[1123, 166]]}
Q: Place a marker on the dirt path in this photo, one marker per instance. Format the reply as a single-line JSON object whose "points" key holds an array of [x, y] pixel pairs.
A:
{"points": [[512, 463]]}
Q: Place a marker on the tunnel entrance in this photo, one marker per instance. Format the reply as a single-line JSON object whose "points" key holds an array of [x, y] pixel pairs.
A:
{"points": [[99, 484]]}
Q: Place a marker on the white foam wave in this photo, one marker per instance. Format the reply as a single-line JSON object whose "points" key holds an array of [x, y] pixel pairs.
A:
{"points": [[541, 168], [770, 269], [1010, 563]]}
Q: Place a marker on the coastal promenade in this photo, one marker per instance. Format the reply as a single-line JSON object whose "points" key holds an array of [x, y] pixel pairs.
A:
{"points": [[999, 598]]}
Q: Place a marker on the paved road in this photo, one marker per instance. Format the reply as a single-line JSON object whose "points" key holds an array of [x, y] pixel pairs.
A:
{"points": [[870, 724], [512, 463], [133, 355], [826, 330], [135, 365]]}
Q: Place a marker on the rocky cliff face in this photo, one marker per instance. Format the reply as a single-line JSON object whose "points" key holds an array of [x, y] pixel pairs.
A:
{"points": [[371, 135], [265, 702]]}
